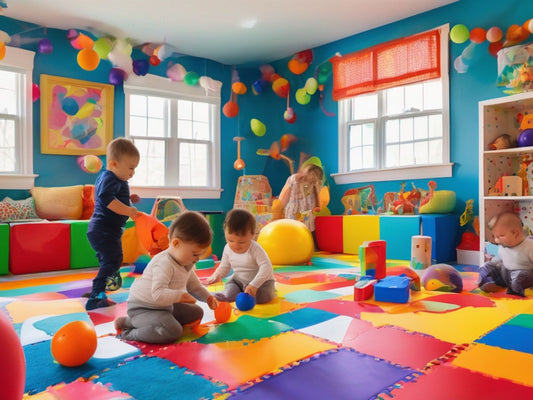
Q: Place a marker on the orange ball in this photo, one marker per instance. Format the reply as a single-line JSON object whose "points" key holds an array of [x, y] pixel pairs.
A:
{"points": [[88, 59], [223, 312], [74, 344]]}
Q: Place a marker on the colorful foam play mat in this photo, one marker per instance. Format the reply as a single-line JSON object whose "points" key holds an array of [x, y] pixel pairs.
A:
{"points": [[312, 342]]}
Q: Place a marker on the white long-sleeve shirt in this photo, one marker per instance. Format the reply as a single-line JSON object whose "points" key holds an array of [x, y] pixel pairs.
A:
{"points": [[516, 258], [253, 267], [164, 281]]}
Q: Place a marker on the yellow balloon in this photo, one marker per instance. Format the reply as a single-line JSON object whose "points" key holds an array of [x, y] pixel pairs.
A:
{"points": [[258, 128]]}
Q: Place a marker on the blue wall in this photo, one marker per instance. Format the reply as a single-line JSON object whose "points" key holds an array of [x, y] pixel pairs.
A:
{"points": [[317, 132]]}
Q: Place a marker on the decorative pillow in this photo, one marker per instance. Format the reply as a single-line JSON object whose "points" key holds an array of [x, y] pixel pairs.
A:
{"points": [[87, 201], [12, 210], [58, 202]]}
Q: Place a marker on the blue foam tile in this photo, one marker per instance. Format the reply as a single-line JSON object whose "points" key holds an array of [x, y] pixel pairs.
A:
{"points": [[510, 337], [51, 325], [304, 317]]}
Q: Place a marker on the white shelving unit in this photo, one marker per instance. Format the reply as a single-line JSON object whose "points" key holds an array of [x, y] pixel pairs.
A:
{"points": [[497, 117]]}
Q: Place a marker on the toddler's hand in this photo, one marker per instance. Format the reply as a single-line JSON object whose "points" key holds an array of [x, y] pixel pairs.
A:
{"points": [[212, 279], [187, 298], [212, 302], [251, 290], [133, 213]]}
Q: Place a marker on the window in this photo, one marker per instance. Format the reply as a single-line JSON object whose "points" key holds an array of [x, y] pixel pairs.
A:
{"points": [[176, 128], [398, 132], [16, 121]]}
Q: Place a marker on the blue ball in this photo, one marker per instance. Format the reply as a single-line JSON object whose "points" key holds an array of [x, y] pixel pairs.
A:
{"points": [[525, 138], [244, 301]]}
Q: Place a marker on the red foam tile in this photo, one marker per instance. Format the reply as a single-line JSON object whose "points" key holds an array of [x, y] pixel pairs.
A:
{"points": [[348, 308], [462, 300]]}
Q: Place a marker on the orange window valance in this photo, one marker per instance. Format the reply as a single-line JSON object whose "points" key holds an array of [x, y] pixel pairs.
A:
{"points": [[395, 63]]}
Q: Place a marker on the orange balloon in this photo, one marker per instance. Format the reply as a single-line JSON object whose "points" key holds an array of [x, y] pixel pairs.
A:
{"points": [[74, 344], [297, 67], [478, 35], [239, 88], [88, 59], [230, 109], [223, 312], [281, 87], [2, 50], [516, 34], [494, 34]]}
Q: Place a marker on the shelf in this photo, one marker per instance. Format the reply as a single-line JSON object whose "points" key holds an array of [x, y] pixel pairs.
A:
{"points": [[513, 150], [514, 198]]}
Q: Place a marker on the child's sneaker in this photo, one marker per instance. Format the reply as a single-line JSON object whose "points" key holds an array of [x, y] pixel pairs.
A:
{"points": [[98, 301], [113, 282]]}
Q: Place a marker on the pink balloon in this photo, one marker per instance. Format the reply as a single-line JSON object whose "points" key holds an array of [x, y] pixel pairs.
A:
{"points": [[35, 92], [176, 72]]}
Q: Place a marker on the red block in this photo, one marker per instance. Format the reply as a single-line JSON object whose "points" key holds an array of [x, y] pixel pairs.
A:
{"points": [[39, 247], [328, 231]]}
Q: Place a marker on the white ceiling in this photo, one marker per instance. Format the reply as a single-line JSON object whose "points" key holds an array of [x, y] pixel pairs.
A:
{"points": [[227, 31]]}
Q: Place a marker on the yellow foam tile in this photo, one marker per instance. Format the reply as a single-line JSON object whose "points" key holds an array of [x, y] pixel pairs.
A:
{"points": [[22, 310], [460, 326], [497, 362]]}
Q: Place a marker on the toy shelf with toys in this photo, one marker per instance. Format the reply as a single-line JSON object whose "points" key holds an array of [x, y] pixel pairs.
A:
{"points": [[505, 161]]}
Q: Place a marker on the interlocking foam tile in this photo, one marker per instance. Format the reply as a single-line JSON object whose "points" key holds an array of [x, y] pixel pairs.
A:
{"points": [[42, 284], [51, 325], [307, 296], [348, 308], [400, 347], [334, 285], [468, 323], [333, 330], [298, 278], [235, 363], [29, 334], [446, 382], [511, 337], [462, 300], [508, 364], [107, 314], [42, 296], [79, 390], [110, 347], [337, 375], [525, 320], [245, 328], [153, 378], [304, 317], [356, 328], [22, 310]]}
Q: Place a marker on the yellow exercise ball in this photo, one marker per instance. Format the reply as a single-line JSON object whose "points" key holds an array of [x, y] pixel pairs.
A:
{"points": [[287, 242]]}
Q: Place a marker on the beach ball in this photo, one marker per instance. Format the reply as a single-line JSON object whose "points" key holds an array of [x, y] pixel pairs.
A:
{"points": [[442, 278], [90, 163], [74, 343], [287, 242], [223, 312], [12, 362], [244, 301]]}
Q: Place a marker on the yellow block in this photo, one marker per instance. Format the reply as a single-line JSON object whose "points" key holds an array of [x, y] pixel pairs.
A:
{"points": [[357, 229]]}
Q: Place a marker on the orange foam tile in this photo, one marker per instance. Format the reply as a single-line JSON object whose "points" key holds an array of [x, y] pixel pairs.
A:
{"points": [[498, 362], [22, 310], [50, 280]]}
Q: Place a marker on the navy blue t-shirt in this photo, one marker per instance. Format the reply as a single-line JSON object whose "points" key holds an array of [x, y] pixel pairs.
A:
{"points": [[107, 188]]}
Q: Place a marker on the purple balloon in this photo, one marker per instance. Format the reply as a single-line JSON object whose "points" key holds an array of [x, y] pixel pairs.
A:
{"points": [[45, 46], [140, 67], [116, 76], [525, 138]]}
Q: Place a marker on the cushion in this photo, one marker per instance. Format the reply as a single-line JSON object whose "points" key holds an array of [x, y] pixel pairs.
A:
{"points": [[58, 202], [13, 210], [87, 198]]}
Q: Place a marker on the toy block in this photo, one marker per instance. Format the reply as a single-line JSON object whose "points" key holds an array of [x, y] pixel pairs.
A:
{"points": [[397, 230], [4, 249], [392, 289], [373, 257], [329, 232], [82, 254], [420, 252], [364, 288], [357, 229], [443, 229], [39, 247]]}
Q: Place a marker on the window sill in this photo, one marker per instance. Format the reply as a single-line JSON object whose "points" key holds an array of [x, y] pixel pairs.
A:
{"points": [[15, 182], [418, 172], [151, 192]]}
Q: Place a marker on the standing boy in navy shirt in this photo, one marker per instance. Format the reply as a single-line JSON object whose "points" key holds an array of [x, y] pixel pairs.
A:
{"points": [[111, 211]]}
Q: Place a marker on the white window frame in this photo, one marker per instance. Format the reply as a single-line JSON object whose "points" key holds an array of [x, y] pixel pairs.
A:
{"points": [[399, 173], [153, 85], [21, 61]]}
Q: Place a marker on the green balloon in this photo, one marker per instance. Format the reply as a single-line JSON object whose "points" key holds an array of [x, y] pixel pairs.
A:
{"points": [[311, 85], [102, 47], [258, 128], [324, 71], [459, 33], [191, 78], [302, 97]]}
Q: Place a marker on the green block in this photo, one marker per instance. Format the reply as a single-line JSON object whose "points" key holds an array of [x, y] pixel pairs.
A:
{"points": [[216, 222], [82, 254], [4, 249]]}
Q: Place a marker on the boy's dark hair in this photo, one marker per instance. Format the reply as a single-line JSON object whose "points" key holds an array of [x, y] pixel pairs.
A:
{"points": [[121, 147], [192, 227], [239, 222]]}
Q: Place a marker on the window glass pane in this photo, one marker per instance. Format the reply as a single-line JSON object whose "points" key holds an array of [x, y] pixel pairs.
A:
{"points": [[368, 134], [395, 101], [201, 130], [184, 109], [406, 129], [201, 112], [8, 92], [420, 128], [355, 135], [407, 156], [193, 169], [156, 128], [137, 105], [368, 157], [433, 95], [356, 159], [7, 160], [421, 153], [435, 126], [157, 107], [392, 156], [151, 168], [392, 131], [184, 129], [8, 163], [7, 133], [365, 107], [138, 126], [413, 97], [435, 151]]}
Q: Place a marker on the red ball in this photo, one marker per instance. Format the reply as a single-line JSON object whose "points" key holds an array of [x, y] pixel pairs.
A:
{"points": [[223, 312], [12, 362], [74, 344]]}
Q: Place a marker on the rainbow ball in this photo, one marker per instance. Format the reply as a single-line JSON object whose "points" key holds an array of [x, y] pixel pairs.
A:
{"points": [[244, 301], [442, 278]]}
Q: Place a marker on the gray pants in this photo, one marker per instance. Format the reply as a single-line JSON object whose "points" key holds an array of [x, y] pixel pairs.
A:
{"points": [[516, 280], [159, 325], [265, 293]]}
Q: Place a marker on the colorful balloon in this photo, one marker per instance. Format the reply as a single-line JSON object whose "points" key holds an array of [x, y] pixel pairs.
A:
{"points": [[140, 67], [176, 72], [258, 128], [302, 97], [154, 60], [311, 86], [494, 34], [281, 87], [45, 46], [2, 50], [116, 76], [259, 86], [90, 163], [478, 35], [191, 78], [495, 47], [102, 46], [35, 92], [88, 59], [289, 115], [238, 88], [459, 33], [230, 109], [297, 67]]}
